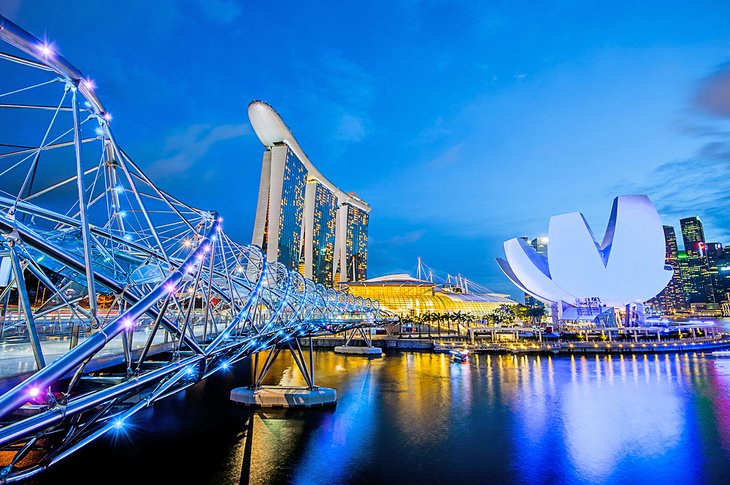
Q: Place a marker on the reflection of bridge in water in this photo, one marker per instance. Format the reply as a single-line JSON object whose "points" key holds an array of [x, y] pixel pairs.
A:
{"points": [[100, 267]]}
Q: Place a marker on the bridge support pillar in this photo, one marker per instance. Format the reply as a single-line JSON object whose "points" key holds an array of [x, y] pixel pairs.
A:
{"points": [[258, 395], [368, 349]]}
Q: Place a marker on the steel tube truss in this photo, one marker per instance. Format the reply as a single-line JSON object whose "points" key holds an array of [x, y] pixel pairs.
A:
{"points": [[101, 269]]}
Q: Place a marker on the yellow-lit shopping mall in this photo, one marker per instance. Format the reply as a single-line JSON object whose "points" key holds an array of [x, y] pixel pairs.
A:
{"points": [[407, 296]]}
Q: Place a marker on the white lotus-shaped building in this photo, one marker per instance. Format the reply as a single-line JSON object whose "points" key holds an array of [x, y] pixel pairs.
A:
{"points": [[627, 267]]}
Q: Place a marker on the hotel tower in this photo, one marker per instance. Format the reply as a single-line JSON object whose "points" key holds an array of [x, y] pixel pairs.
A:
{"points": [[302, 219]]}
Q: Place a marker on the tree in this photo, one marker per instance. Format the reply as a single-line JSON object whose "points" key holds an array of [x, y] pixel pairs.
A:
{"points": [[536, 313], [503, 314], [522, 312]]}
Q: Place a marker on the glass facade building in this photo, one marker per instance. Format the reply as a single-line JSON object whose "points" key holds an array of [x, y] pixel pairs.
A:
{"points": [[407, 296], [716, 260], [323, 235], [672, 298], [303, 220], [357, 244], [698, 285], [291, 210]]}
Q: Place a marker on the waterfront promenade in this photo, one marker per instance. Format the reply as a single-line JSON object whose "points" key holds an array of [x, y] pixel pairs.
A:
{"points": [[527, 346]]}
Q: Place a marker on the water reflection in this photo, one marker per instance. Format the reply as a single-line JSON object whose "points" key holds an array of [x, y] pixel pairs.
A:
{"points": [[418, 417]]}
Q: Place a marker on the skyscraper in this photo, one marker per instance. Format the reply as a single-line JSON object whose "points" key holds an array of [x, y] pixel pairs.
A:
{"points": [[698, 285], [354, 253], [672, 298], [320, 223], [303, 220], [715, 261]]}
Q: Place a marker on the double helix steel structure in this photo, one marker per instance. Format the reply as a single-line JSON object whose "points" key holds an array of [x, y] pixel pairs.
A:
{"points": [[113, 293]]}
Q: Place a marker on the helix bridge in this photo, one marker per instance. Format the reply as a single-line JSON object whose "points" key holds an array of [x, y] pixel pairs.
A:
{"points": [[114, 294]]}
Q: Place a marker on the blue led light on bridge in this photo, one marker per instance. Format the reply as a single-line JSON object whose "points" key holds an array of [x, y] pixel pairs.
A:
{"points": [[196, 314]]}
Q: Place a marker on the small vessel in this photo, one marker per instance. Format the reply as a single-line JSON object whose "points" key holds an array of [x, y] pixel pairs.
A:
{"points": [[460, 356]]}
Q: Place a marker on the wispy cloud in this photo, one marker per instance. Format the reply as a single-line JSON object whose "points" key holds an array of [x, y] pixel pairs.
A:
{"points": [[401, 239], [342, 91], [436, 132], [350, 128], [183, 150], [713, 95], [699, 186], [450, 156]]}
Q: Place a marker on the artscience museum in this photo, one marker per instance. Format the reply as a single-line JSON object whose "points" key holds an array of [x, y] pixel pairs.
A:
{"points": [[582, 279]]}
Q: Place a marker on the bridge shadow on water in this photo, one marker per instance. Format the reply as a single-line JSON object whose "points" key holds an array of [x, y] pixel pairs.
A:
{"points": [[199, 436]]}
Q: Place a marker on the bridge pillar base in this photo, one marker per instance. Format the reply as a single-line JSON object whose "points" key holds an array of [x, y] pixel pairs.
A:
{"points": [[284, 397], [369, 351]]}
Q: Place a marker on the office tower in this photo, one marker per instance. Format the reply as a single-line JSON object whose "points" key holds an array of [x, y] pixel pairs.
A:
{"points": [[672, 298], [715, 261], [697, 284]]}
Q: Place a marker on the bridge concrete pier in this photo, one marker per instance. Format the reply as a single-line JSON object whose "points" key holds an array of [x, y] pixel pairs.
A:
{"points": [[311, 395], [368, 350], [286, 397]]}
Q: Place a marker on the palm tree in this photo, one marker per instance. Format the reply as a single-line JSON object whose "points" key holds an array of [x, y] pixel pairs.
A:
{"points": [[536, 313], [426, 318], [459, 319]]}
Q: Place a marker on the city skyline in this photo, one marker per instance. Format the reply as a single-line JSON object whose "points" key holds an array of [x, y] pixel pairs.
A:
{"points": [[479, 101], [146, 309]]}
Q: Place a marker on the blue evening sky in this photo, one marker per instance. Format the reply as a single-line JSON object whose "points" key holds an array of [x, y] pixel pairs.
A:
{"points": [[462, 123]]}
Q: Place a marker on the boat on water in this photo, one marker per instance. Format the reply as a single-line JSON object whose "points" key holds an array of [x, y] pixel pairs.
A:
{"points": [[459, 356]]}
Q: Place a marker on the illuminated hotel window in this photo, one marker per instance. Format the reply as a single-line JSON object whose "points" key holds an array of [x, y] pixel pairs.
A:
{"points": [[323, 235], [357, 244], [292, 208]]}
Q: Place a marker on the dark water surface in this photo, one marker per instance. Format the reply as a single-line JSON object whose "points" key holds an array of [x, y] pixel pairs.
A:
{"points": [[418, 418]]}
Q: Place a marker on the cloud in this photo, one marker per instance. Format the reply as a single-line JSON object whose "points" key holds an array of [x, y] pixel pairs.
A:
{"points": [[350, 128], [342, 92], [438, 131], [450, 156], [698, 186], [716, 150], [186, 148], [401, 239], [347, 79], [713, 95], [221, 11]]}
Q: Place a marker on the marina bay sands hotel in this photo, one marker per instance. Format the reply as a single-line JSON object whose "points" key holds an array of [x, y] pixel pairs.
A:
{"points": [[302, 219]]}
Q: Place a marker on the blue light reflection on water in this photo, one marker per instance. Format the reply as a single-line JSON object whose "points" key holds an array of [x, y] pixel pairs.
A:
{"points": [[418, 418]]}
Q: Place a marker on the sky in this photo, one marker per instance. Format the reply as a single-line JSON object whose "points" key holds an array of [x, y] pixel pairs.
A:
{"points": [[463, 124]]}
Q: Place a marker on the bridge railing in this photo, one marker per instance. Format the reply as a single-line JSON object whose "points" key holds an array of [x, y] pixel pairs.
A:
{"points": [[127, 269]]}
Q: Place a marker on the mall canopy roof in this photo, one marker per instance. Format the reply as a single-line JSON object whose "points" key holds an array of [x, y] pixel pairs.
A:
{"points": [[404, 294]]}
